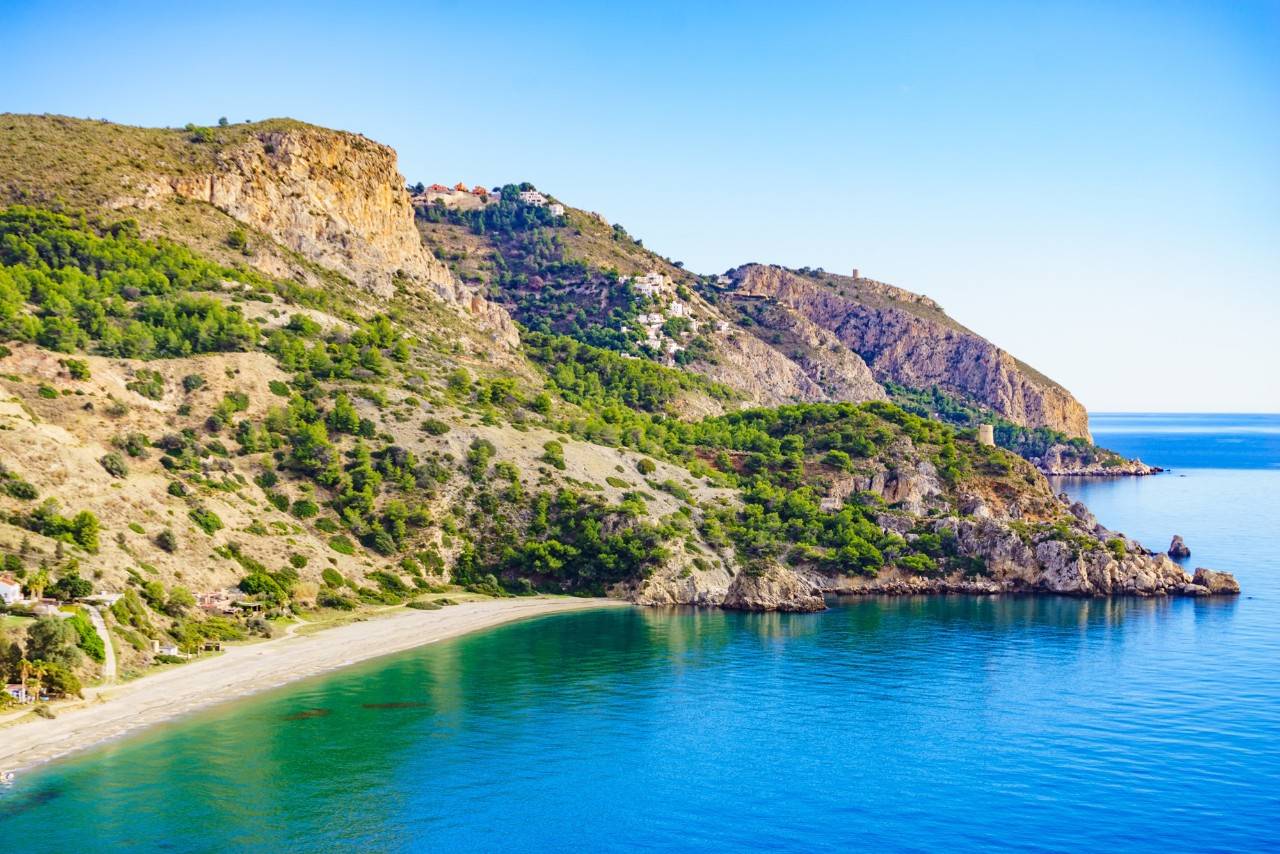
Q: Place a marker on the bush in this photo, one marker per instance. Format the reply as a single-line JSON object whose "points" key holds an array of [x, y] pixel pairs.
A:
{"points": [[177, 488], [48, 392], [191, 382], [553, 454], [147, 383], [206, 519], [115, 465], [332, 577], [20, 489], [278, 388], [298, 561], [77, 368], [646, 466], [167, 540], [305, 508], [434, 427], [1115, 545], [342, 545]]}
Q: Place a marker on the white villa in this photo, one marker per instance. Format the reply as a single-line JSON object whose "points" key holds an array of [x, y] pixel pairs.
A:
{"points": [[10, 590], [678, 309], [556, 209], [533, 197], [651, 284]]}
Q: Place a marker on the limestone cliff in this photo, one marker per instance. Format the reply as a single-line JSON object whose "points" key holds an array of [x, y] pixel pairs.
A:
{"points": [[335, 198], [908, 339]]}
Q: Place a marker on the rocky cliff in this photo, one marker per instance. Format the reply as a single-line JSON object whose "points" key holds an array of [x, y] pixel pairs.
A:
{"points": [[908, 339], [335, 198]]}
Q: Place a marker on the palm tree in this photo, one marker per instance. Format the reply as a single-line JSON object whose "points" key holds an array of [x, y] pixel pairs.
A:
{"points": [[37, 582], [38, 670]]}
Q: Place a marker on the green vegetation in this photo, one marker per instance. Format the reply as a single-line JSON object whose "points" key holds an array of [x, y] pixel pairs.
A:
{"points": [[66, 284]]}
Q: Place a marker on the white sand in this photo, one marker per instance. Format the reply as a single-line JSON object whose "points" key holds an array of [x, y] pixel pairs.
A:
{"points": [[116, 710]]}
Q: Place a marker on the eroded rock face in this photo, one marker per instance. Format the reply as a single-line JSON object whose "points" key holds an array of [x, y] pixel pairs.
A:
{"points": [[796, 361], [907, 338], [1217, 583], [337, 199], [777, 588]]}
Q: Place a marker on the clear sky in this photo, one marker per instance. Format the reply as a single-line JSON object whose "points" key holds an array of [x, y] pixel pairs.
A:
{"points": [[1093, 186]]}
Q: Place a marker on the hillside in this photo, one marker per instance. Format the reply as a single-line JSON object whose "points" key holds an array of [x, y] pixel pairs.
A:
{"points": [[234, 387]]}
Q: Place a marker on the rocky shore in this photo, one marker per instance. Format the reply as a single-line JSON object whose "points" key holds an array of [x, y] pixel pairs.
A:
{"points": [[993, 549], [1064, 461]]}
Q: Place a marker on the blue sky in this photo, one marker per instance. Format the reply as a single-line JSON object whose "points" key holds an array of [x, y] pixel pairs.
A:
{"points": [[1094, 186]]}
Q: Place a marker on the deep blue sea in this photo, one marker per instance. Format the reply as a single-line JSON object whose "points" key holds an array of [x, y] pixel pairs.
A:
{"points": [[949, 723]]}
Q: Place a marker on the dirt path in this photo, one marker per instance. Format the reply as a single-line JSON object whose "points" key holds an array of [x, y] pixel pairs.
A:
{"points": [[109, 662]]}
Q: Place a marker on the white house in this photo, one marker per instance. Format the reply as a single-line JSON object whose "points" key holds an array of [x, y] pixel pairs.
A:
{"points": [[677, 309], [10, 590], [556, 209], [653, 319], [651, 284], [533, 197]]}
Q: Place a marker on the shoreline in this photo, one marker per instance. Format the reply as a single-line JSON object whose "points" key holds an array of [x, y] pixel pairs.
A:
{"points": [[117, 710]]}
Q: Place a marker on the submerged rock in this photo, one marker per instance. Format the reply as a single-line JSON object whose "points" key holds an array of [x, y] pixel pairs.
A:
{"points": [[1177, 548], [1217, 583]]}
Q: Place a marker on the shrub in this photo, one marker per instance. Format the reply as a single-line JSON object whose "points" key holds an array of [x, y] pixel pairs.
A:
{"points": [[328, 598], [332, 577], [177, 488], [147, 383], [167, 540], [115, 465], [47, 392], [553, 454], [298, 561], [617, 482], [206, 519], [434, 427], [20, 489], [191, 382], [77, 368], [646, 466], [342, 545], [305, 508], [278, 388], [1115, 545]]}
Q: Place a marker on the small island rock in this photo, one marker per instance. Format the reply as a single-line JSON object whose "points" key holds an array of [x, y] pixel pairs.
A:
{"points": [[1177, 548], [1218, 583]]}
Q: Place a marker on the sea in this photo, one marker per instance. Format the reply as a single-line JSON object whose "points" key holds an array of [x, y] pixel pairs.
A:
{"points": [[909, 724]]}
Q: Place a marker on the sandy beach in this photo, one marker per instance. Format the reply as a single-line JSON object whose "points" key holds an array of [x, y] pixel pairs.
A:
{"points": [[115, 710]]}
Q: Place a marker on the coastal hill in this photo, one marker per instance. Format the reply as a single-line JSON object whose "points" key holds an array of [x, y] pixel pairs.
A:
{"points": [[246, 373]]}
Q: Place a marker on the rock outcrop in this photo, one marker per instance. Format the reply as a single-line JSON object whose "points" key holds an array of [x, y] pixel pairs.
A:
{"points": [[796, 360], [1177, 548], [337, 199], [908, 339], [1217, 583], [1064, 461], [994, 552]]}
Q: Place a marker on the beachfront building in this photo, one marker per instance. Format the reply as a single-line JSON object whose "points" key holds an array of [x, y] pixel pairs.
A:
{"points": [[533, 197], [10, 590], [19, 693]]}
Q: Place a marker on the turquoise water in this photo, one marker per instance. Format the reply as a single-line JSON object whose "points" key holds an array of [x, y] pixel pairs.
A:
{"points": [[890, 724]]}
